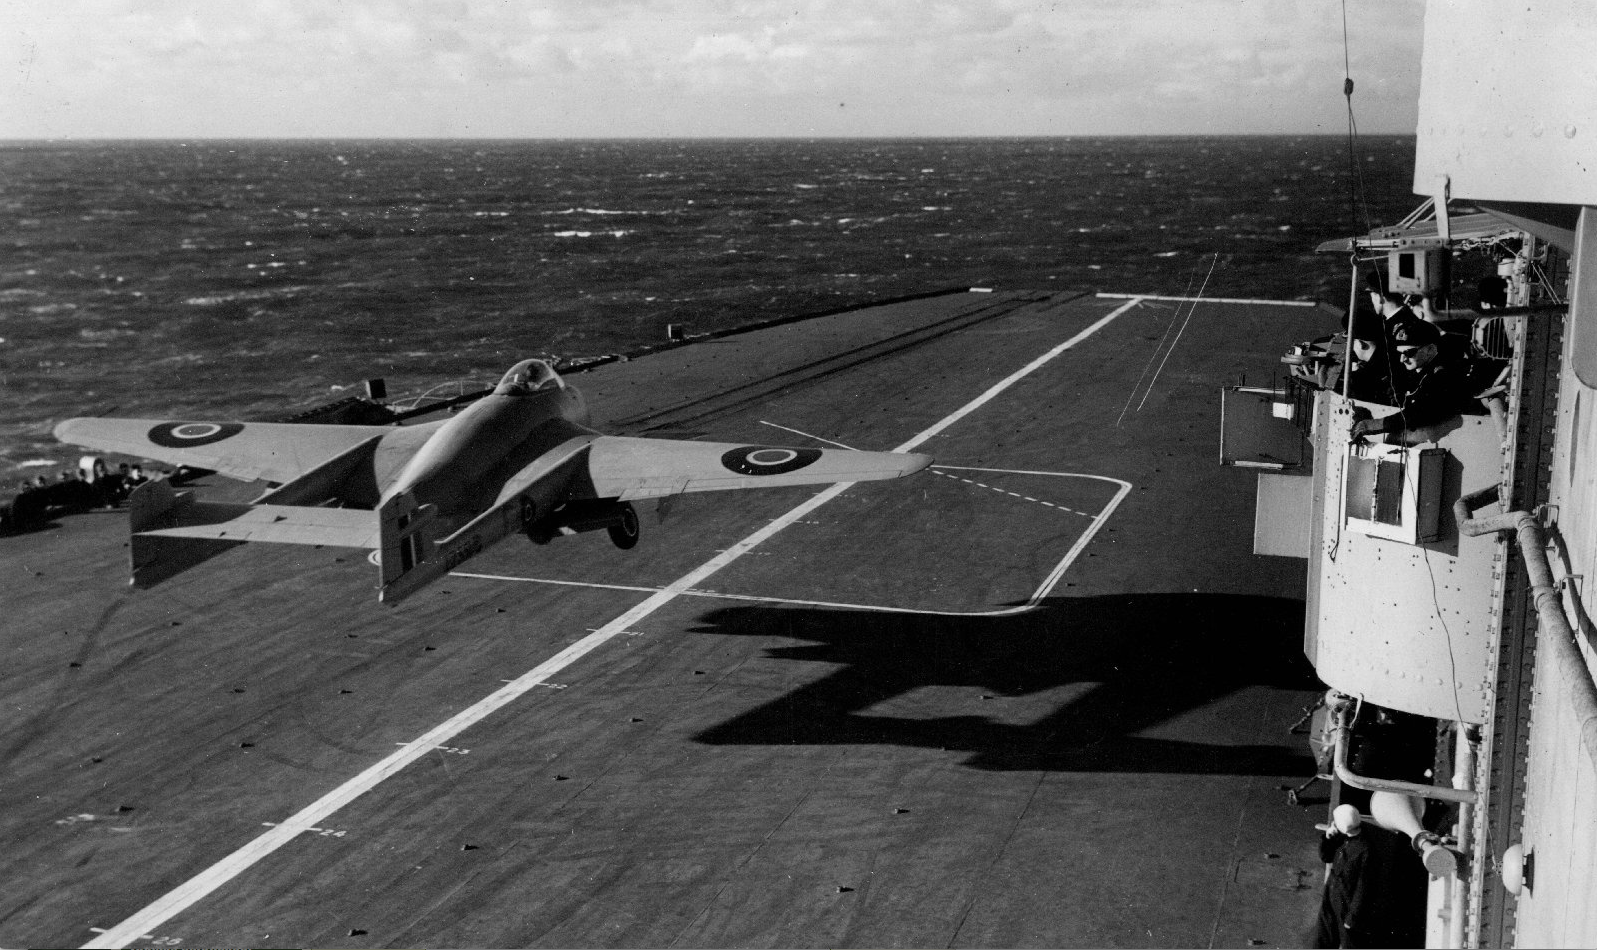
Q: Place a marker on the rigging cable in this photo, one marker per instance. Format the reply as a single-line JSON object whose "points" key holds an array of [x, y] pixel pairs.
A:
{"points": [[1191, 310], [1357, 193], [1174, 316]]}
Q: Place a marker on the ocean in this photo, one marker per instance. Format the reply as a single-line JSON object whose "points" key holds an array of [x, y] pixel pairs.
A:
{"points": [[220, 280]]}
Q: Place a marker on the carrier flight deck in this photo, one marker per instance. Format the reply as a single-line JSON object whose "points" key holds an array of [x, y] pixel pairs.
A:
{"points": [[1038, 694]]}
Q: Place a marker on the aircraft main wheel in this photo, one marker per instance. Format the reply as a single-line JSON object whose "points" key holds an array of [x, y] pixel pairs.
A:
{"points": [[536, 531], [624, 533]]}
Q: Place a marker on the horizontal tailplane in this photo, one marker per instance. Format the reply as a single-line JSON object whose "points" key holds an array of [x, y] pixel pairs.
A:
{"points": [[173, 531], [155, 558]]}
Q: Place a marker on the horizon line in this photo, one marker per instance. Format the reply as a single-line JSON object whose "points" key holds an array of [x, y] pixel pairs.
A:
{"points": [[69, 139]]}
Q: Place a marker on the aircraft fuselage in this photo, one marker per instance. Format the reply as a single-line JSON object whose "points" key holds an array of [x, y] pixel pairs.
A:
{"points": [[464, 464]]}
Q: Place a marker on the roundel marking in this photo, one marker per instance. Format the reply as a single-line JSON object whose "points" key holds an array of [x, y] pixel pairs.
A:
{"points": [[187, 435], [764, 460]]}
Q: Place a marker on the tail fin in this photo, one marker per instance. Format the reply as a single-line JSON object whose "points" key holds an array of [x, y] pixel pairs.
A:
{"points": [[413, 557], [154, 558], [405, 559]]}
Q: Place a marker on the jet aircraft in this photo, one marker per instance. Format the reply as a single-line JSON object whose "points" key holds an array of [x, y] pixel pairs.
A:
{"points": [[428, 497]]}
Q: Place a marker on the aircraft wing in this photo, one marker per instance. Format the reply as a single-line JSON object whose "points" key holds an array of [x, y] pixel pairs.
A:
{"points": [[275, 451], [632, 468]]}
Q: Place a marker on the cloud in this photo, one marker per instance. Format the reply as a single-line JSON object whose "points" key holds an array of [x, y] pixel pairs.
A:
{"points": [[662, 67]]}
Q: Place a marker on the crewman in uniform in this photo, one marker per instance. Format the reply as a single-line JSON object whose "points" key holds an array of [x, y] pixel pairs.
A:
{"points": [[1347, 899], [1442, 379]]}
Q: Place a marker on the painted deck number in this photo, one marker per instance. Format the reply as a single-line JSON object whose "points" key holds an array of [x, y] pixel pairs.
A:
{"points": [[443, 748], [320, 832], [150, 938]]}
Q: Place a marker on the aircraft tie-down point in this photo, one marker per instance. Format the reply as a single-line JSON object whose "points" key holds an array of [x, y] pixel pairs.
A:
{"points": [[428, 497]]}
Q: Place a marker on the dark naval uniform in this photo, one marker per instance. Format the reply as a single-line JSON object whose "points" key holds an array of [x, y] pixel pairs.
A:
{"points": [[1375, 894], [1347, 896]]}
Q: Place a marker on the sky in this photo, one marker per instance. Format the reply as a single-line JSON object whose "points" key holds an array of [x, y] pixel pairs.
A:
{"points": [[694, 68]]}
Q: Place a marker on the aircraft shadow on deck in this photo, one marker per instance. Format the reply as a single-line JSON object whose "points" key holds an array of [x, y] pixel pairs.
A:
{"points": [[1141, 659]]}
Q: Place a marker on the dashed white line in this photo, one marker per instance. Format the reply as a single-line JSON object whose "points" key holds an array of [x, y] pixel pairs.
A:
{"points": [[1005, 491]]}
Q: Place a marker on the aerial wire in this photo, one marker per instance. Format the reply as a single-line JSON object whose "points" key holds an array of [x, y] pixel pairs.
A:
{"points": [[1192, 310], [1358, 199], [1352, 213], [1174, 316]]}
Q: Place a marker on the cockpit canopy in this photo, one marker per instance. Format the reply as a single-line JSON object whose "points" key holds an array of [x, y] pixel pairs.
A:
{"points": [[529, 376]]}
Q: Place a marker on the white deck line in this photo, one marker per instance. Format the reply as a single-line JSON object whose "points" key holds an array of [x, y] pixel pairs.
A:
{"points": [[1272, 303], [195, 889], [1043, 590]]}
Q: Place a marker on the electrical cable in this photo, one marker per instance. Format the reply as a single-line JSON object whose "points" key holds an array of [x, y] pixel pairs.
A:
{"points": [[1412, 478], [1357, 193]]}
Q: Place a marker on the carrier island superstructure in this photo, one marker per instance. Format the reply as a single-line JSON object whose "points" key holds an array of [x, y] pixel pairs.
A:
{"points": [[1451, 569]]}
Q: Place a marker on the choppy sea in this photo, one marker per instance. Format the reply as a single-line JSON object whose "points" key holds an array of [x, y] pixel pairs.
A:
{"points": [[249, 279]]}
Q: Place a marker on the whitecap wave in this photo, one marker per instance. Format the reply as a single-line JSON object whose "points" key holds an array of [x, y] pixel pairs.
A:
{"points": [[213, 300], [602, 211], [99, 336]]}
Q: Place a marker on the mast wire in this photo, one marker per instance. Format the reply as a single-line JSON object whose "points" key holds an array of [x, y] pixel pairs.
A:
{"points": [[1357, 197], [1174, 316], [1190, 311]]}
